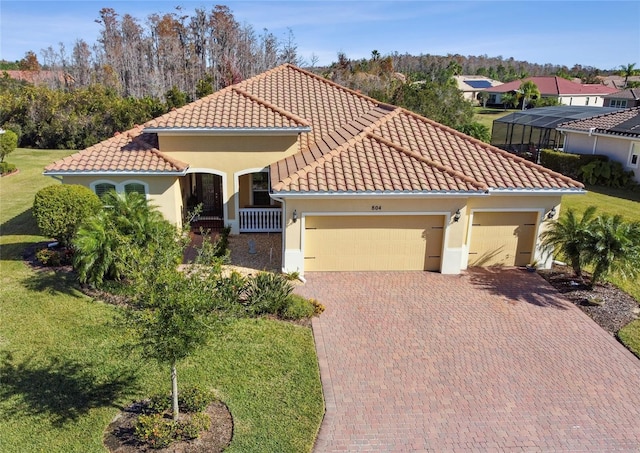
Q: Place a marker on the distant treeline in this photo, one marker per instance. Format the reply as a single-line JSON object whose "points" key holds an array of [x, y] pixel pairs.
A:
{"points": [[173, 50]]}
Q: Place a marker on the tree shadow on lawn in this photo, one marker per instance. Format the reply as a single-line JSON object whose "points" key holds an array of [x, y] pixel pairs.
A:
{"points": [[517, 284], [23, 224], [53, 282], [61, 389]]}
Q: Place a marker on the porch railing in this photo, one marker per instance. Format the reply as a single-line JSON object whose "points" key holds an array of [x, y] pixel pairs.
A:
{"points": [[260, 220]]}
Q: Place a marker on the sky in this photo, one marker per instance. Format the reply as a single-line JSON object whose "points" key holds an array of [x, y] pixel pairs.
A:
{"points": [[601, 34]]}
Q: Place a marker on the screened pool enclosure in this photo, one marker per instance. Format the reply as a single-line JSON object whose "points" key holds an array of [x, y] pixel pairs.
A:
{"points": [[526, 132]]}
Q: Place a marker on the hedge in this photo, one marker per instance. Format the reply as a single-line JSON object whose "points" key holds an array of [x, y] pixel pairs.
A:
{"points": [[566, 163]]}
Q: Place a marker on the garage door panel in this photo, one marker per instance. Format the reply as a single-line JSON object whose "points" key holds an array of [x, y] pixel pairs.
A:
{"points": [[373, 243], [502, 238]]}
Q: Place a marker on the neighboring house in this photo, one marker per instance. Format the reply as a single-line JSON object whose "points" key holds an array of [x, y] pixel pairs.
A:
{"points": [[616, 135], [534, 129], [352, 184], [565, 91], [471, 85], [623, 99]]}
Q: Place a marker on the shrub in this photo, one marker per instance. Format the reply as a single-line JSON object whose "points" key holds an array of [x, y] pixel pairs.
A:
{"points": [[297, 307], [566, 163], [194, 399], [606, 173], [193, 426], [221, 246], [295, 275], [8, 142], [267, 293], [155, 430], [48, 257], [59, 209], [159, 404], [318, 308], [6, 168], [230, 290]]}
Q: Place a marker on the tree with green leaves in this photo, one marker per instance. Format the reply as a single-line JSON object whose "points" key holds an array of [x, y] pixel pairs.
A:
{"points": [[613, 247], [528, 90], [568, 237], [174, 312], [8, 143], [508, 100], [627, 71], [476, 130]]}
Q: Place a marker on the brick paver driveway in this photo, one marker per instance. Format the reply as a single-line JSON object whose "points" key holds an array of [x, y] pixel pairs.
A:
{"points": [[485, 361]]}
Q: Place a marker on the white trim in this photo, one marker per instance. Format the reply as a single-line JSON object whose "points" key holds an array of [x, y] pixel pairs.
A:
{"points": [[302, 219], [227, 130], [346, 195], [116, 173], [236, 193], [537, 192], [632, 153], [120, 186], [595, 134]]}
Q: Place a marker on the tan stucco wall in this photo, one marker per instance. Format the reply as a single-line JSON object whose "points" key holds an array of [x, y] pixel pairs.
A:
{"points": [[617, 149], [456, 233], [163, 191], [230, 157]]}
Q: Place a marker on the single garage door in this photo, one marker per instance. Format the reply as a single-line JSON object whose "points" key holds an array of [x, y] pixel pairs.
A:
{"points": [[502, 238], [368, 243]]}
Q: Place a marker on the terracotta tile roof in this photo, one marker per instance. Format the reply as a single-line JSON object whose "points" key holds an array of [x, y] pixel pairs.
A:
{"points": [[625, 122], [231, 107], [404, 152], [555, 86], [130, 152], [355, 143]]}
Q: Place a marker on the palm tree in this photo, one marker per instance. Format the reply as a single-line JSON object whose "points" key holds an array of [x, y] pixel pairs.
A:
{"points": [[613, 248], [105, 243], [627, 71], [527, 91], [508, 99], [569, 236]]}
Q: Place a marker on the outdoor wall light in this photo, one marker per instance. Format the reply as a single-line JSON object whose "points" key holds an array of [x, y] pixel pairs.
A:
{"points": [[456, 216], [294, 216], [551, 214]]}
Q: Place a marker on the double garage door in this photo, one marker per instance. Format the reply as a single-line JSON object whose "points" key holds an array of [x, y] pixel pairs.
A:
{"points": [[369, 243], [502, 238]]}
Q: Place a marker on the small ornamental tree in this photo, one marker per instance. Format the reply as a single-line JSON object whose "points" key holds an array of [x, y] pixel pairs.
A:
{"points": [[8, 143], [174, 312], [61, 208]]}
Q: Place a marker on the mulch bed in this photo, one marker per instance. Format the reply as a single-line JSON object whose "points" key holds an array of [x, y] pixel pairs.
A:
{"points": [[609, 306], [119, 436]]}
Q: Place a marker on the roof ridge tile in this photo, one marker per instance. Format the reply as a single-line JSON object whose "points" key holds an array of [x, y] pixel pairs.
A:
{"points": [[432, 163], [271, 106]]}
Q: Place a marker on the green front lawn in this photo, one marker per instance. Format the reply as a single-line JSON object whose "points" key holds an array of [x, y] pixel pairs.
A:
{"points": [[627, 204], [65, 372], [486, 116]]}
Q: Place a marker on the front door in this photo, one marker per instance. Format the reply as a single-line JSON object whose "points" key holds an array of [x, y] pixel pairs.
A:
{"points": [[209, 191]]}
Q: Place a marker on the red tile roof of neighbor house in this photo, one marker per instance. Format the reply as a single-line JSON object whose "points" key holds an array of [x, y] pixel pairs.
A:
{"points": [[355, 143], [624, 122], [555, 86]]}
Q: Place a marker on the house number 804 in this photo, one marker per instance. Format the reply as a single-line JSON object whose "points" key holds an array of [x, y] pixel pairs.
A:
{"points": [[376, 208]]}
